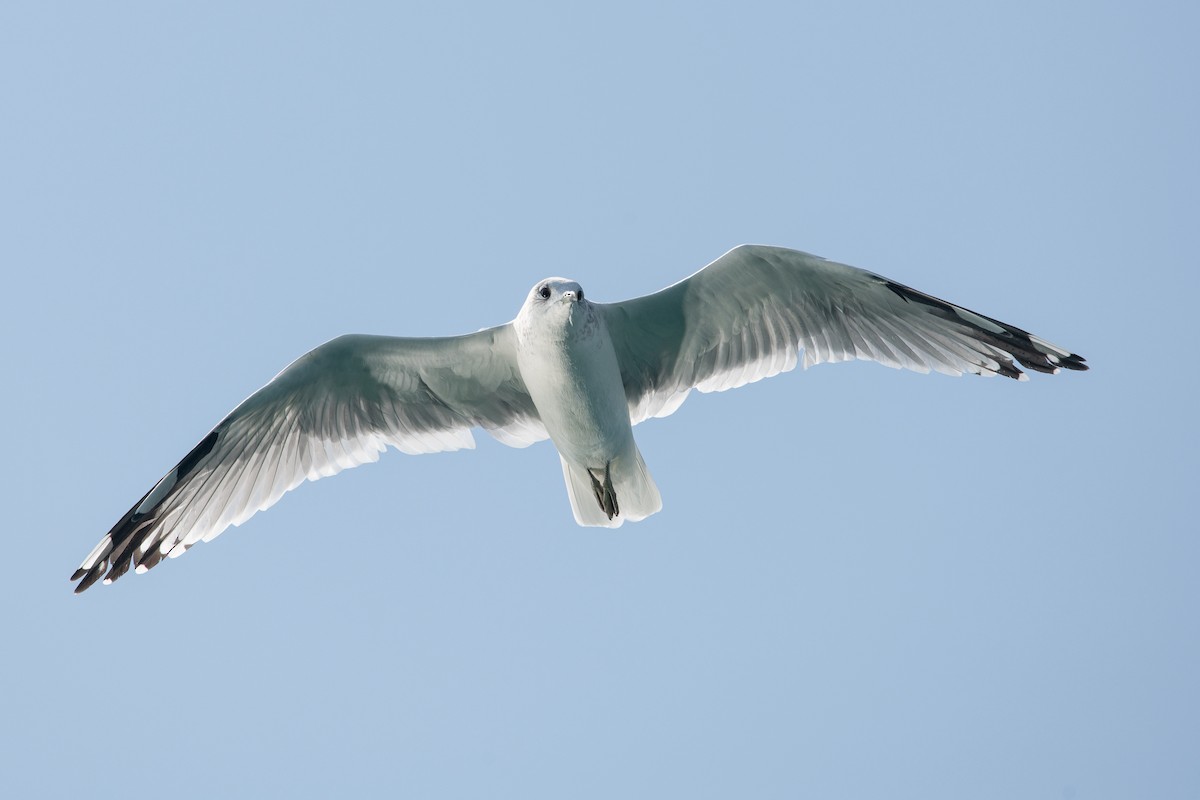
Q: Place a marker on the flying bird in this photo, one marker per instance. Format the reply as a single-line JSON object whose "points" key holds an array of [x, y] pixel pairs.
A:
{"points": [[568, 369]]}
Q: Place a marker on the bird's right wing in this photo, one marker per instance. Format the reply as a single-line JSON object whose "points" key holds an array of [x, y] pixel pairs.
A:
{"points": [[752, 312], [336, 407]]}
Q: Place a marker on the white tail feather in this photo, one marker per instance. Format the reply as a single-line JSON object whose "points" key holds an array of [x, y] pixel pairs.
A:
{"points": [[637, 495]]}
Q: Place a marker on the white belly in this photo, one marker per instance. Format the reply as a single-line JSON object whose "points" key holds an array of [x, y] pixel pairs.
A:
{"points": [[576, 385]]}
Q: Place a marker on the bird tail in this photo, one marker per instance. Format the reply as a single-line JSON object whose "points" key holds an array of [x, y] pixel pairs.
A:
{"points": [[629, 491]]}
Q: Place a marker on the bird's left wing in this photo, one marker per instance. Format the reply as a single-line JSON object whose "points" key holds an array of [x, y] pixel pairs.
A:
{"points": [[336, 407], [752, 312]]}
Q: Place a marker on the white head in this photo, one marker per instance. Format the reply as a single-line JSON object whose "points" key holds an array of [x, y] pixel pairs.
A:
{"points": [[555, 290], [553, 303]]}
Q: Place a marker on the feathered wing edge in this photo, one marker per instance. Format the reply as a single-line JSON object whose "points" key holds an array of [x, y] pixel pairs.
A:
{"points": [[111, 557], [1029, 350], [755, 311], [336, 407]]}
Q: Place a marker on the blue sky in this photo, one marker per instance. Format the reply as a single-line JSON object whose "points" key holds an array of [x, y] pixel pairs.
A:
{"points": [[864, 583]]}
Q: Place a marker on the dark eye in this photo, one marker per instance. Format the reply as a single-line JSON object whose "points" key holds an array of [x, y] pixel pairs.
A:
{"points": [[580, 295], [544, 292]]}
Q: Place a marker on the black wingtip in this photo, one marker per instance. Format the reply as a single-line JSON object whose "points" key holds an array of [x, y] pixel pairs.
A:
{"points": [[1011, 339], [118, 569], [127, 536], [149, 559], [89, 576], [1006, 368], [1074, 361]]}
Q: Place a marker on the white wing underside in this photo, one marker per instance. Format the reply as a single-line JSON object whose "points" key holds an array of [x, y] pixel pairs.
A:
{"points": [[337, 407], [758, 311]]}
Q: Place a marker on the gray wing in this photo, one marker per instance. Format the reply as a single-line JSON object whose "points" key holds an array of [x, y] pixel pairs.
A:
{"points": [[752, 312], [336, 407]]}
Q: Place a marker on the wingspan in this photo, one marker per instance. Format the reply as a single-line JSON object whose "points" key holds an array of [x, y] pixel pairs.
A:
{"points": [[752, 313], [336, 407]]}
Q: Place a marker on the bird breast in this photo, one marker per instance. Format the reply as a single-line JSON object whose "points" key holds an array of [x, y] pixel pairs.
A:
{"points": [[573, 377]]}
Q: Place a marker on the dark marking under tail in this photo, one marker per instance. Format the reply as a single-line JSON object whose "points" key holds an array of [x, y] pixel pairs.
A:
{"points": [[1012, 339], [605, 494], [133, 528]]}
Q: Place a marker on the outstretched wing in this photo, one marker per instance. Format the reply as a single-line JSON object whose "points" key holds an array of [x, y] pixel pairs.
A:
{"points": [[336, 407], [749, 314]]}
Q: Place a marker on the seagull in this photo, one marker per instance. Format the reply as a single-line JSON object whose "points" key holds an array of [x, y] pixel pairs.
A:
{"points": [[579, 373]]}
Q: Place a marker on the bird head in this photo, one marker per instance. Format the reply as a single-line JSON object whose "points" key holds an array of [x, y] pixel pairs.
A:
{"points": [[552, 303]]}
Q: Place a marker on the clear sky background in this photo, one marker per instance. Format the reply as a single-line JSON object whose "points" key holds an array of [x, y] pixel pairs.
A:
{"points": [[864, 583]]}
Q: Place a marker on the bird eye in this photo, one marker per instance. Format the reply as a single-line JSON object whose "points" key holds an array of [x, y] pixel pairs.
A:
{"points": [[579, 296], [544, 292]]}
